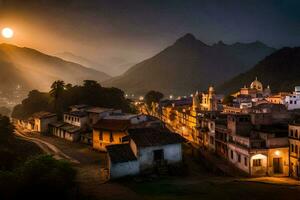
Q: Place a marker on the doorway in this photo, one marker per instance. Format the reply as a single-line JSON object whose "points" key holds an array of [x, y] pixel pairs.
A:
{"points": [[158, 155], [277, 165]]}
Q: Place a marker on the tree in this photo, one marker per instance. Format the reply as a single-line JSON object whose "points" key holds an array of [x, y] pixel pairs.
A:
{"points": [[228, 100], [6, 129], [56, 92], [153, 96]]}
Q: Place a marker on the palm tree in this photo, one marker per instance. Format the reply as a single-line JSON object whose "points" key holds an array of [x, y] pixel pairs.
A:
{"points": [[57, 89]]}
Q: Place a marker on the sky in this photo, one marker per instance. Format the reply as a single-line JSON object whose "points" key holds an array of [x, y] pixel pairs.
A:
{"points": [[119, 33]]}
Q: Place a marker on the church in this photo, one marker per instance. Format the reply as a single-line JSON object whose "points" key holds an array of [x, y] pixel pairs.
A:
{"points": [[205, 101], [255, 90]]}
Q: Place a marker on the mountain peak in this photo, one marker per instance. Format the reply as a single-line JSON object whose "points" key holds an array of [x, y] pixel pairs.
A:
{"points": [[189, 39]]}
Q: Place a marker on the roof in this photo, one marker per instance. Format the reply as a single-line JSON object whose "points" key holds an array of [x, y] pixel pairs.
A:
{"points": [[66, 127], [43, 114], [144, 137], [98, 110], [120, 153], [112, 125], [76, 113], [121, 116], [79, 106]]}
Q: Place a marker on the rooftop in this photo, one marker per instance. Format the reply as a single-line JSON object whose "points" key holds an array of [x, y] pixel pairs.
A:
{"points": [[112, 125], [144, 137], [43, 114], [79, 106], [65, 126], [98, 110], [121, 116], [77, 113], [120, 153]]}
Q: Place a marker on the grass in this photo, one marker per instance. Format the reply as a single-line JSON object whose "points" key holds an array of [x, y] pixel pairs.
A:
{"points": [[211, 188]]}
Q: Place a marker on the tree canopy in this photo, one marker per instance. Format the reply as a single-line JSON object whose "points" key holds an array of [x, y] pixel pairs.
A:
{"points": [[153, 96], [62, 95]]}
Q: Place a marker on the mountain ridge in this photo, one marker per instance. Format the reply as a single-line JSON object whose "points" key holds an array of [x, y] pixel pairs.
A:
{"points": [[33, 69], [188, 65]]}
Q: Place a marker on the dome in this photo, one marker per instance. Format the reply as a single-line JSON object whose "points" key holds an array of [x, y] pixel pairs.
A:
{"points": [[211, 89], [256, 85]]}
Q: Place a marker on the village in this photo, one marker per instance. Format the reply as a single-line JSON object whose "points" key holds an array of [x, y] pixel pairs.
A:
{"points": [[255, 133]]}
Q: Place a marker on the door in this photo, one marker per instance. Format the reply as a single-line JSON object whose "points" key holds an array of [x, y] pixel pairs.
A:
{"points": [[158, 155], [277, 165]]}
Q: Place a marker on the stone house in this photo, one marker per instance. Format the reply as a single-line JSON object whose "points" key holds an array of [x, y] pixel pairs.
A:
{"points": [[146, 149]]}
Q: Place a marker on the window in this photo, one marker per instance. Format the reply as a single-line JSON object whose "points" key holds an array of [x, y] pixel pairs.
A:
{"points": [[101, 135], [239, 158], [296, 149], [291, 133], [296, 133], [256, 162], [291, 102], [292, 148], [245, 161], [231, 154]]}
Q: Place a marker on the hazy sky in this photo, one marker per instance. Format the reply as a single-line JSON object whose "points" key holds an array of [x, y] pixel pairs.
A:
{"points": [[123, 32]]}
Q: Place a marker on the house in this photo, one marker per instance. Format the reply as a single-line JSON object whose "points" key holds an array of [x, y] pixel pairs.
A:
{"points": [[294, 141], [65, 130], [292, 101], [42, 120], [122, 161], [76, 118], [97, 113], [147, 149], [264, 152], [109, 131]]}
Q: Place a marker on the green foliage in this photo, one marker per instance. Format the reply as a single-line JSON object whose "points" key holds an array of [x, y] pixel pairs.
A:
{"points": [[40, 177], [153, 96], [62, 95]]}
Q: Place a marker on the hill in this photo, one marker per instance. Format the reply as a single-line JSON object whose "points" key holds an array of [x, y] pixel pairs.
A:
{"points": [[280, 70], [189, 65], [32, 69]]}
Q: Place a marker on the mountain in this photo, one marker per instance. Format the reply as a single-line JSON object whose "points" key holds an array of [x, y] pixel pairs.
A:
{"points": [[280, 70], [32, 69], [116, 67], [68, 56], [189, 65]]}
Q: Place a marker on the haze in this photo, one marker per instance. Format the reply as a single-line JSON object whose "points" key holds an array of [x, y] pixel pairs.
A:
{"points": [[118, 34]]}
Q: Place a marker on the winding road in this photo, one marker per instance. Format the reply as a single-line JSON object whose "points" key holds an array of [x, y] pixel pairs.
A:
{"points": [[48, 148]]}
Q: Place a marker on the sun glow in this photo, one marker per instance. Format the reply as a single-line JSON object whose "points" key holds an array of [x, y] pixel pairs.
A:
{"points": [[7, 32]]}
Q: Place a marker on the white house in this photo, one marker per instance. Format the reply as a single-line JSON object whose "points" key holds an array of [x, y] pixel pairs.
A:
{"points": [[292, 101], [64, 130], [76, 118], [151, 149], [122, 161]]}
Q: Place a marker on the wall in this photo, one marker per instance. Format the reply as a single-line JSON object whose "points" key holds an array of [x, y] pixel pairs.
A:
{"points": [[243, 165], [279, 153], [124, 169], [172, 154], [41, 125], [101, 144]]}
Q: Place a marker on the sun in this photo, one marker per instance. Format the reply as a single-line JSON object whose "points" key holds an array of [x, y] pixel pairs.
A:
{"points": [[7, 32]]}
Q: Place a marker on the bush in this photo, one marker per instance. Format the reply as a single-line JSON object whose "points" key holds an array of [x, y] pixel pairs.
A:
{"points": [[41, 177]]}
